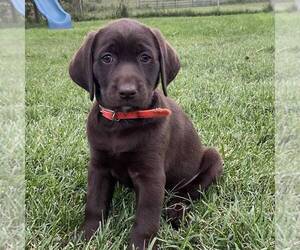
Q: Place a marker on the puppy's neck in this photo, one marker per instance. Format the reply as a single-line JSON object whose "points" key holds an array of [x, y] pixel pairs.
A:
{"points": [[125, 124], [153, 104]]}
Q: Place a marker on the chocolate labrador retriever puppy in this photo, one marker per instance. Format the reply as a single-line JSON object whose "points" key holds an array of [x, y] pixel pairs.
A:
{"points": [[137, 135]]}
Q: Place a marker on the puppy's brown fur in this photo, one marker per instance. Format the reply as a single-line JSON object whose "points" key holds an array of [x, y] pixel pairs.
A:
{"points": [[122, 64]]}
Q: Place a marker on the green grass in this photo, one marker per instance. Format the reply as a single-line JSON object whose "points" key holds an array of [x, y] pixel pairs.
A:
{"points": [[12, 138], [107, 9], [224, 9], [287, 130], [225, 85]]}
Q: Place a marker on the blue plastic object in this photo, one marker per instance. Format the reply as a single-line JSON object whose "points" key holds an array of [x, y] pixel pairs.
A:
{"points": [[19, 6], [56, 16]]}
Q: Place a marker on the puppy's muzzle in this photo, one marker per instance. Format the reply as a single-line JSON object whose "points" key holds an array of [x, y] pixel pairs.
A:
{"points": [[127, 92]]}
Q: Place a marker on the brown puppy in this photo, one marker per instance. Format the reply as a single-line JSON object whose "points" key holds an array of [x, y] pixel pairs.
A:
{"points": [[121, 65]]}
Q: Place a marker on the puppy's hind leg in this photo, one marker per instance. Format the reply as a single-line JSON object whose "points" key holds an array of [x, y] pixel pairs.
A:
{"points": [[211, 167]]}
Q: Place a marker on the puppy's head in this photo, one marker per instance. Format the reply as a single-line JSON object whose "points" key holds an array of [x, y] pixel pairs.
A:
{"points": [[122, 63]]}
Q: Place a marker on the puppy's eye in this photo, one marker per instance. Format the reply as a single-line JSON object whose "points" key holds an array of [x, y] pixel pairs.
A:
{"points": [[145, 58], [107, 58]]}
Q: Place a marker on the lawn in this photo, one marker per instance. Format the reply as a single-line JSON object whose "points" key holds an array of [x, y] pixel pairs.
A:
{"points": [[12, 137], [225, 85], [107, 9]]}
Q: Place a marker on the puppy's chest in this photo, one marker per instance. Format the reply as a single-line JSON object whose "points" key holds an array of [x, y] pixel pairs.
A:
{"points": [[119, 166], [117, 145]]}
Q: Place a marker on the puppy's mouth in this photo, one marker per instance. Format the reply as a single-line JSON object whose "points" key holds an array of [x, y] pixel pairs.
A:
{"points": [[127, 109], [130, 107]]}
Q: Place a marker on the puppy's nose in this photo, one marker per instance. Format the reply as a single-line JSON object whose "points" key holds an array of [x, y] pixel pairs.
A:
{"points": [[127, 93]]}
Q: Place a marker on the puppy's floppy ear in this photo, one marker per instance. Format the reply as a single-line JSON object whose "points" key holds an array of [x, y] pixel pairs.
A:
{"points": [[81, 65], [169, 61]]}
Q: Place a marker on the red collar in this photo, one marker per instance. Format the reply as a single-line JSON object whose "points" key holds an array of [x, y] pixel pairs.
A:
{"points": [[139, 114]]}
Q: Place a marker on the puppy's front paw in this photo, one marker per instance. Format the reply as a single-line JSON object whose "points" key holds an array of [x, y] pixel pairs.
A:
{"points": [[142, 246], [89, 228], [175, 214]]}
